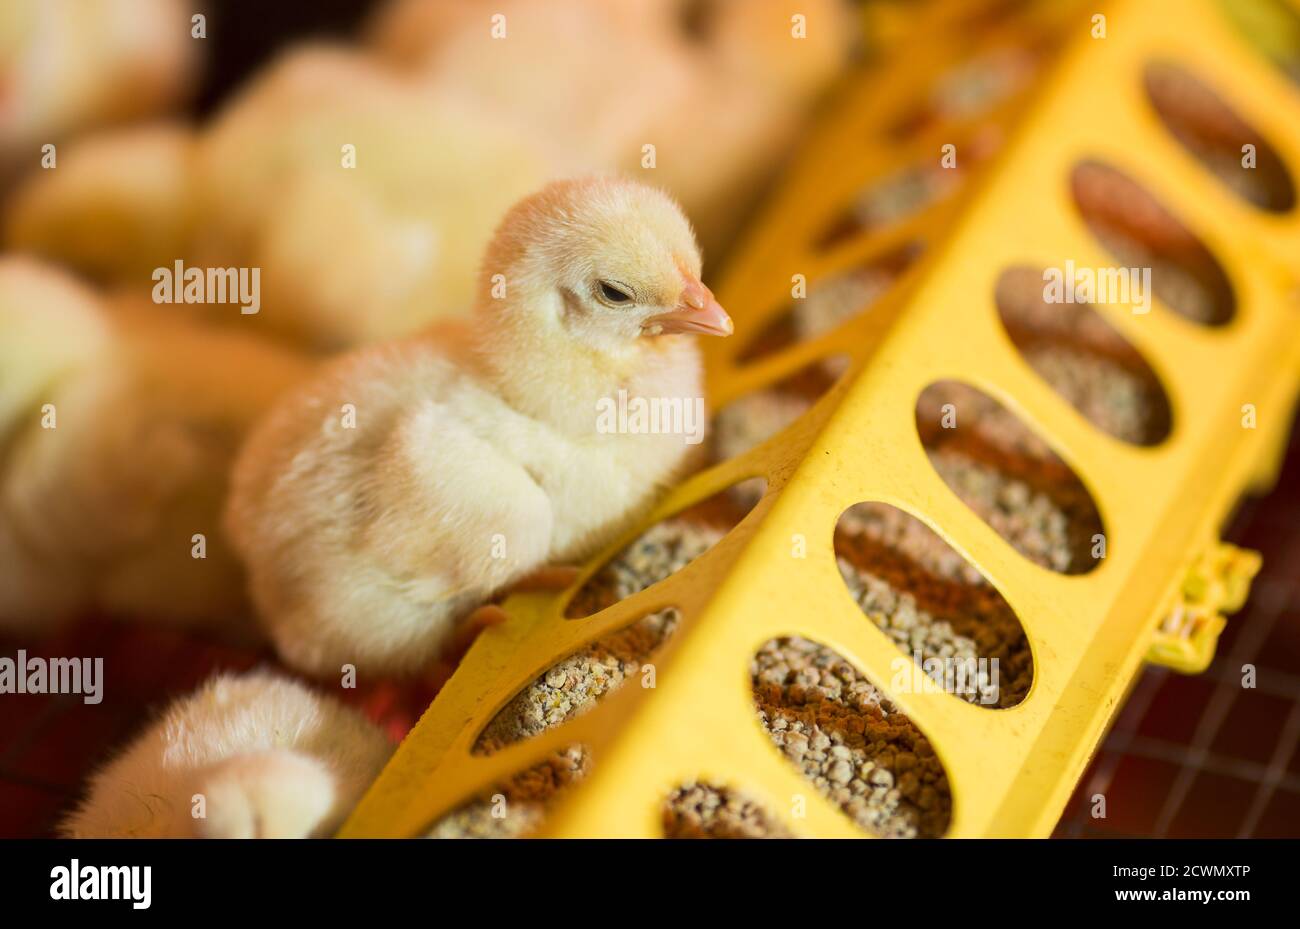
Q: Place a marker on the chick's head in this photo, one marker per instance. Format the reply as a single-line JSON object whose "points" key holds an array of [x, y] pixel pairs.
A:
{"points": [[604, 261]]}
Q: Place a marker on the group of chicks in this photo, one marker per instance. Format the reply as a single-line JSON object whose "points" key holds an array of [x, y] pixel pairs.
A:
{"points": [[374, 174], [198, 466]]}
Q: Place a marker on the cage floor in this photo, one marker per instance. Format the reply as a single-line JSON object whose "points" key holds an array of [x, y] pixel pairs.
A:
{"points": [[1197, 756]]}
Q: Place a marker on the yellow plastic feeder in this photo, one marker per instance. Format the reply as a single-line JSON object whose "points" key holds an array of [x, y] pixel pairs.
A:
{"points": [[1159, 593]]}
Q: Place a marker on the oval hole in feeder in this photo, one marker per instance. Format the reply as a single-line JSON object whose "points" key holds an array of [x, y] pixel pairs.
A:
{"points": [[702, 810], [517, 806], [830, 301], [1140, 233], [934, 605], [969, 89], [1214, 134], [1010, 477], [1084, 359], [832, 724], [909, 191], [891, 199], [663, 550], [574, 685], [753, 418]]}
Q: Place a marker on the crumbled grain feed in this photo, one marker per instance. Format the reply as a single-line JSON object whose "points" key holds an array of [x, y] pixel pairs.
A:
{"points": [[1182, 287], [1213, 132], [892, 199], [960, 626], [659, 552], [1009, 476], [573, 686], [903, 194], [1139, 232], [1084, 359], [707, 811], [1114, 398], [979, 84], [838, 299], [517, 807], [1031, 521], [748, 422], [829, 302], [849, 741], [948, 410]]}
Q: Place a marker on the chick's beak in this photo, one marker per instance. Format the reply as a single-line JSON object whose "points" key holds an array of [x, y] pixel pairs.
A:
{"points": [[696, 311]]}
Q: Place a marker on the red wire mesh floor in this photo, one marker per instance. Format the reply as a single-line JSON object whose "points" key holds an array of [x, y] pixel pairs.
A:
{"points": [[1202, 756], [1189, 756]]}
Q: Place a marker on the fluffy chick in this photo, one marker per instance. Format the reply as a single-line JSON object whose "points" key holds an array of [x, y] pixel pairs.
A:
{"points": [[119, 205], [721, 88], [342, 183], [582, 75], [69, 64], [259, 755], [432, 174], [379, 504], [752, 93], [118, 426]]}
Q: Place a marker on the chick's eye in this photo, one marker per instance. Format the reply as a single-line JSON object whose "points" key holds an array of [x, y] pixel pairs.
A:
{"points": [[614, 294]]}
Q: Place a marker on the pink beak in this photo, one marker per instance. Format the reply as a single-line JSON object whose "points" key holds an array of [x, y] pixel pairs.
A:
{"points": [[697, 311]]}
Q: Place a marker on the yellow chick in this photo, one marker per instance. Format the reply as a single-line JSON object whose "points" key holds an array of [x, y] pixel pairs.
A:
{"points": [[356, 195], [758, 68], [69, 64], [703, 97], [583, 75], [119, 425], [338, 181], [251, 756], [119, 205], [379, 504]]}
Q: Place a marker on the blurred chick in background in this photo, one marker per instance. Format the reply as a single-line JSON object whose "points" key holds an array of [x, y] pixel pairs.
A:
{"points": [[119, 205], [720, 88], [66, 65], [364, 254], [351, 255], [348, 254], [473, 456], [118, 425], [269, 757]]}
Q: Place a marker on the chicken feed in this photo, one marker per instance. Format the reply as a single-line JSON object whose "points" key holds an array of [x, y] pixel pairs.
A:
{"points": [[837, 728], [573, 686]]}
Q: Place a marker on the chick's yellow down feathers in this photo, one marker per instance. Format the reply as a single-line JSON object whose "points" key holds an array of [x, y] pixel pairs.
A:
{"points": [[379, 503], [364, 186], [119, 205], [703, 96], [119, 424], [66, 65], [265, 756], [363, 203]]}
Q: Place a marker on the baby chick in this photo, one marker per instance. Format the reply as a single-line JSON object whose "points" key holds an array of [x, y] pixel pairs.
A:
{"points": [[582, 74], [69, 64], [349, 189], [719, 88], [119, 205], [380, 503], [340, 182], [252, 756], [758, 68], [118, 424]]}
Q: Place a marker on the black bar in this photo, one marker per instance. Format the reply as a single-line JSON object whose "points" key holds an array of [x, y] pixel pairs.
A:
{"points": [[418, 880]]}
